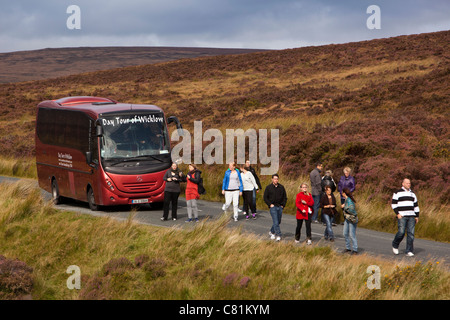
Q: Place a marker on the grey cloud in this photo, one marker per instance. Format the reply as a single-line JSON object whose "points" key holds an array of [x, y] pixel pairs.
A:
{"points": [[26, 24]]}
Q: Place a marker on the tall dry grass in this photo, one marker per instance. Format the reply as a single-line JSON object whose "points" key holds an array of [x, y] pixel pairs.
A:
{"points": [[123, 260], [18, 167]]}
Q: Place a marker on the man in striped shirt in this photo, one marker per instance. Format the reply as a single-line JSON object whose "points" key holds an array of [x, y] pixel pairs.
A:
{"points": [[404, 204]]}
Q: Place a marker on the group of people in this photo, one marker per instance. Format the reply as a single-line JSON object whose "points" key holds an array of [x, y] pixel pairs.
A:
{"points": [[322, 190], [245, 183], [173, 177]]}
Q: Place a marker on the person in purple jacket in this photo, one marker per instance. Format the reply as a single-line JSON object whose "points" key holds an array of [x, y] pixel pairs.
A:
{"points": [[346, 181]]}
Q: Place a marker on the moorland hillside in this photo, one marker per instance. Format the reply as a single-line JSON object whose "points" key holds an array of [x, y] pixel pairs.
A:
{"points": [[380, 106]]}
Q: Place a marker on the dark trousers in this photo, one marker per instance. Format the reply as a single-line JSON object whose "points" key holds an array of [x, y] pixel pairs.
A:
{"points": [[299, 228], [248, 202], [170, 197]]}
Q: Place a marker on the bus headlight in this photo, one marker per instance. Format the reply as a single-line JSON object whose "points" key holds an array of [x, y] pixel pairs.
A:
{"points": [[110, 185]]}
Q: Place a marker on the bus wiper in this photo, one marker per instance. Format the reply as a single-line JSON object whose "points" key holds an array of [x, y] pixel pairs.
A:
{"points": [[136, 159]]}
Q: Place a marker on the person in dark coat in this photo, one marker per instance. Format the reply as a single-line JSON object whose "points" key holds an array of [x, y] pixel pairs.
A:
{"points": [[316, 189], [172, 191], [253, 171], [328, 205], [327, 180], [346, 181], [275, 197]]}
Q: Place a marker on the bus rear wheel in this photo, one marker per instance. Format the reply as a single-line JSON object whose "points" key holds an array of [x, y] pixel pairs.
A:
{"points": [[56, 198], [91, 200]]}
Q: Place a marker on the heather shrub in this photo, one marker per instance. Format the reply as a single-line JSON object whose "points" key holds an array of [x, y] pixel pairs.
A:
{"points": [[117, 266], [16, 279], [154, 269]]}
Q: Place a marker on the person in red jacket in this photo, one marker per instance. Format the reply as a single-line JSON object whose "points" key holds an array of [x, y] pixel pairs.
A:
{"points": [[192, 194], [304, 203]]}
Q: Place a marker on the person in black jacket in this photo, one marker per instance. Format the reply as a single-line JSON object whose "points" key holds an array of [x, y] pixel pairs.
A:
{"points": [[327, 180], [328, 205], [172, 177], [252, 170], [275, 198]]}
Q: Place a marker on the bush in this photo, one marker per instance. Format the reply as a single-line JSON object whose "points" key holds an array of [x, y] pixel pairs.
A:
{"points": [[16, 279]]}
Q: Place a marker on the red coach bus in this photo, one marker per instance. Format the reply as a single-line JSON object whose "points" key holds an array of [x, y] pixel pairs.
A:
{"points": [[98, 150]]}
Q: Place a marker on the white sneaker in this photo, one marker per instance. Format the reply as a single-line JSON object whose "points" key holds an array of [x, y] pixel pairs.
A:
{"points": [[235, 219], [272, 236], [278, 238], [395, 250], [224, 207], [297, 241], [308, 242], [410, 254]]}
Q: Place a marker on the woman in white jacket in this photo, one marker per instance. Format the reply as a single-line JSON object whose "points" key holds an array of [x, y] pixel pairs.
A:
{"points": [[249, 183]]}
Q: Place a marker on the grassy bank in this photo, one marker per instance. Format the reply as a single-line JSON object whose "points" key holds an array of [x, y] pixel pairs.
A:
{"points": [[18, 167], [122, 260]]}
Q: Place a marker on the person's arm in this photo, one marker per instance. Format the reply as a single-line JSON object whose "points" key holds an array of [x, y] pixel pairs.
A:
{"points": [[284, 199], [166, 176], [267, 197], [195, 178], [353, 184], [310, 201], [394, 205], [416, 208], [298, 202], [252, 178]]}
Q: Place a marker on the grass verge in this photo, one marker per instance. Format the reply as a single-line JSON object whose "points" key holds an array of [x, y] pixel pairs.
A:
{"points": [[123, 260]]}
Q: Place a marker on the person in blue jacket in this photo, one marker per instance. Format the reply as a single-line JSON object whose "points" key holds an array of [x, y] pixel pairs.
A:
{"points": [[232, 188]]}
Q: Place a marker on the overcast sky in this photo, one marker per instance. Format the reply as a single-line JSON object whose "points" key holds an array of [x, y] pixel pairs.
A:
{"points": [[260, 24]]}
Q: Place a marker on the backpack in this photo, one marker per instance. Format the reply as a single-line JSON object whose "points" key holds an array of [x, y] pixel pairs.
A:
{"points": [[201, 189]]}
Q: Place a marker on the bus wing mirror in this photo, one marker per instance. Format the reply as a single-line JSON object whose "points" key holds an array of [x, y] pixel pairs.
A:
{"points": [[177, 123], [99, 130], [88, 157]]}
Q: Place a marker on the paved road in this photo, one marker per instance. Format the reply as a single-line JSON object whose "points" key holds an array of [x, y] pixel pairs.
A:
{"points": [[371, 242]]}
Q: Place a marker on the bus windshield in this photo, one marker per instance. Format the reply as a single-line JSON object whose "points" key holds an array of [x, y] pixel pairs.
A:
{"points": [[136, 135]]}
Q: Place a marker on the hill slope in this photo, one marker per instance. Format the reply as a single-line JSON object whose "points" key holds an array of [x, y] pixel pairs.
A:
{"points": [[380, 106], [56, 62]]}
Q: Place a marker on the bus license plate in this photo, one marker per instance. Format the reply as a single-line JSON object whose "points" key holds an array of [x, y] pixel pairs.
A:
{"points": [[139, 201]]}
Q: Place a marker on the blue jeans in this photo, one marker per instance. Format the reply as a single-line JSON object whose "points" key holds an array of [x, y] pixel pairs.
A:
{"points": [[276, 213], [328, 230], [350, 233], [405, 224], [315, 214]]}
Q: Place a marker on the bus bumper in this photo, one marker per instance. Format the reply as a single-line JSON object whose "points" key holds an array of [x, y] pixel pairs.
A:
{"points": [[114, 199]]}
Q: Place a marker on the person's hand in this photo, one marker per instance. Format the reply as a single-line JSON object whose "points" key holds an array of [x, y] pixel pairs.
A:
{"points": [[240, 193], [303, 201], [399, 216], [271, 205], [417, 219], [188, 177], [223, 191], [169, 179]]}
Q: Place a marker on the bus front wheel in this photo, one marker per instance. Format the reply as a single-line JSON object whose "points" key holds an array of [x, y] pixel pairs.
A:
{"points": [[56, 198], [91, 200]]}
